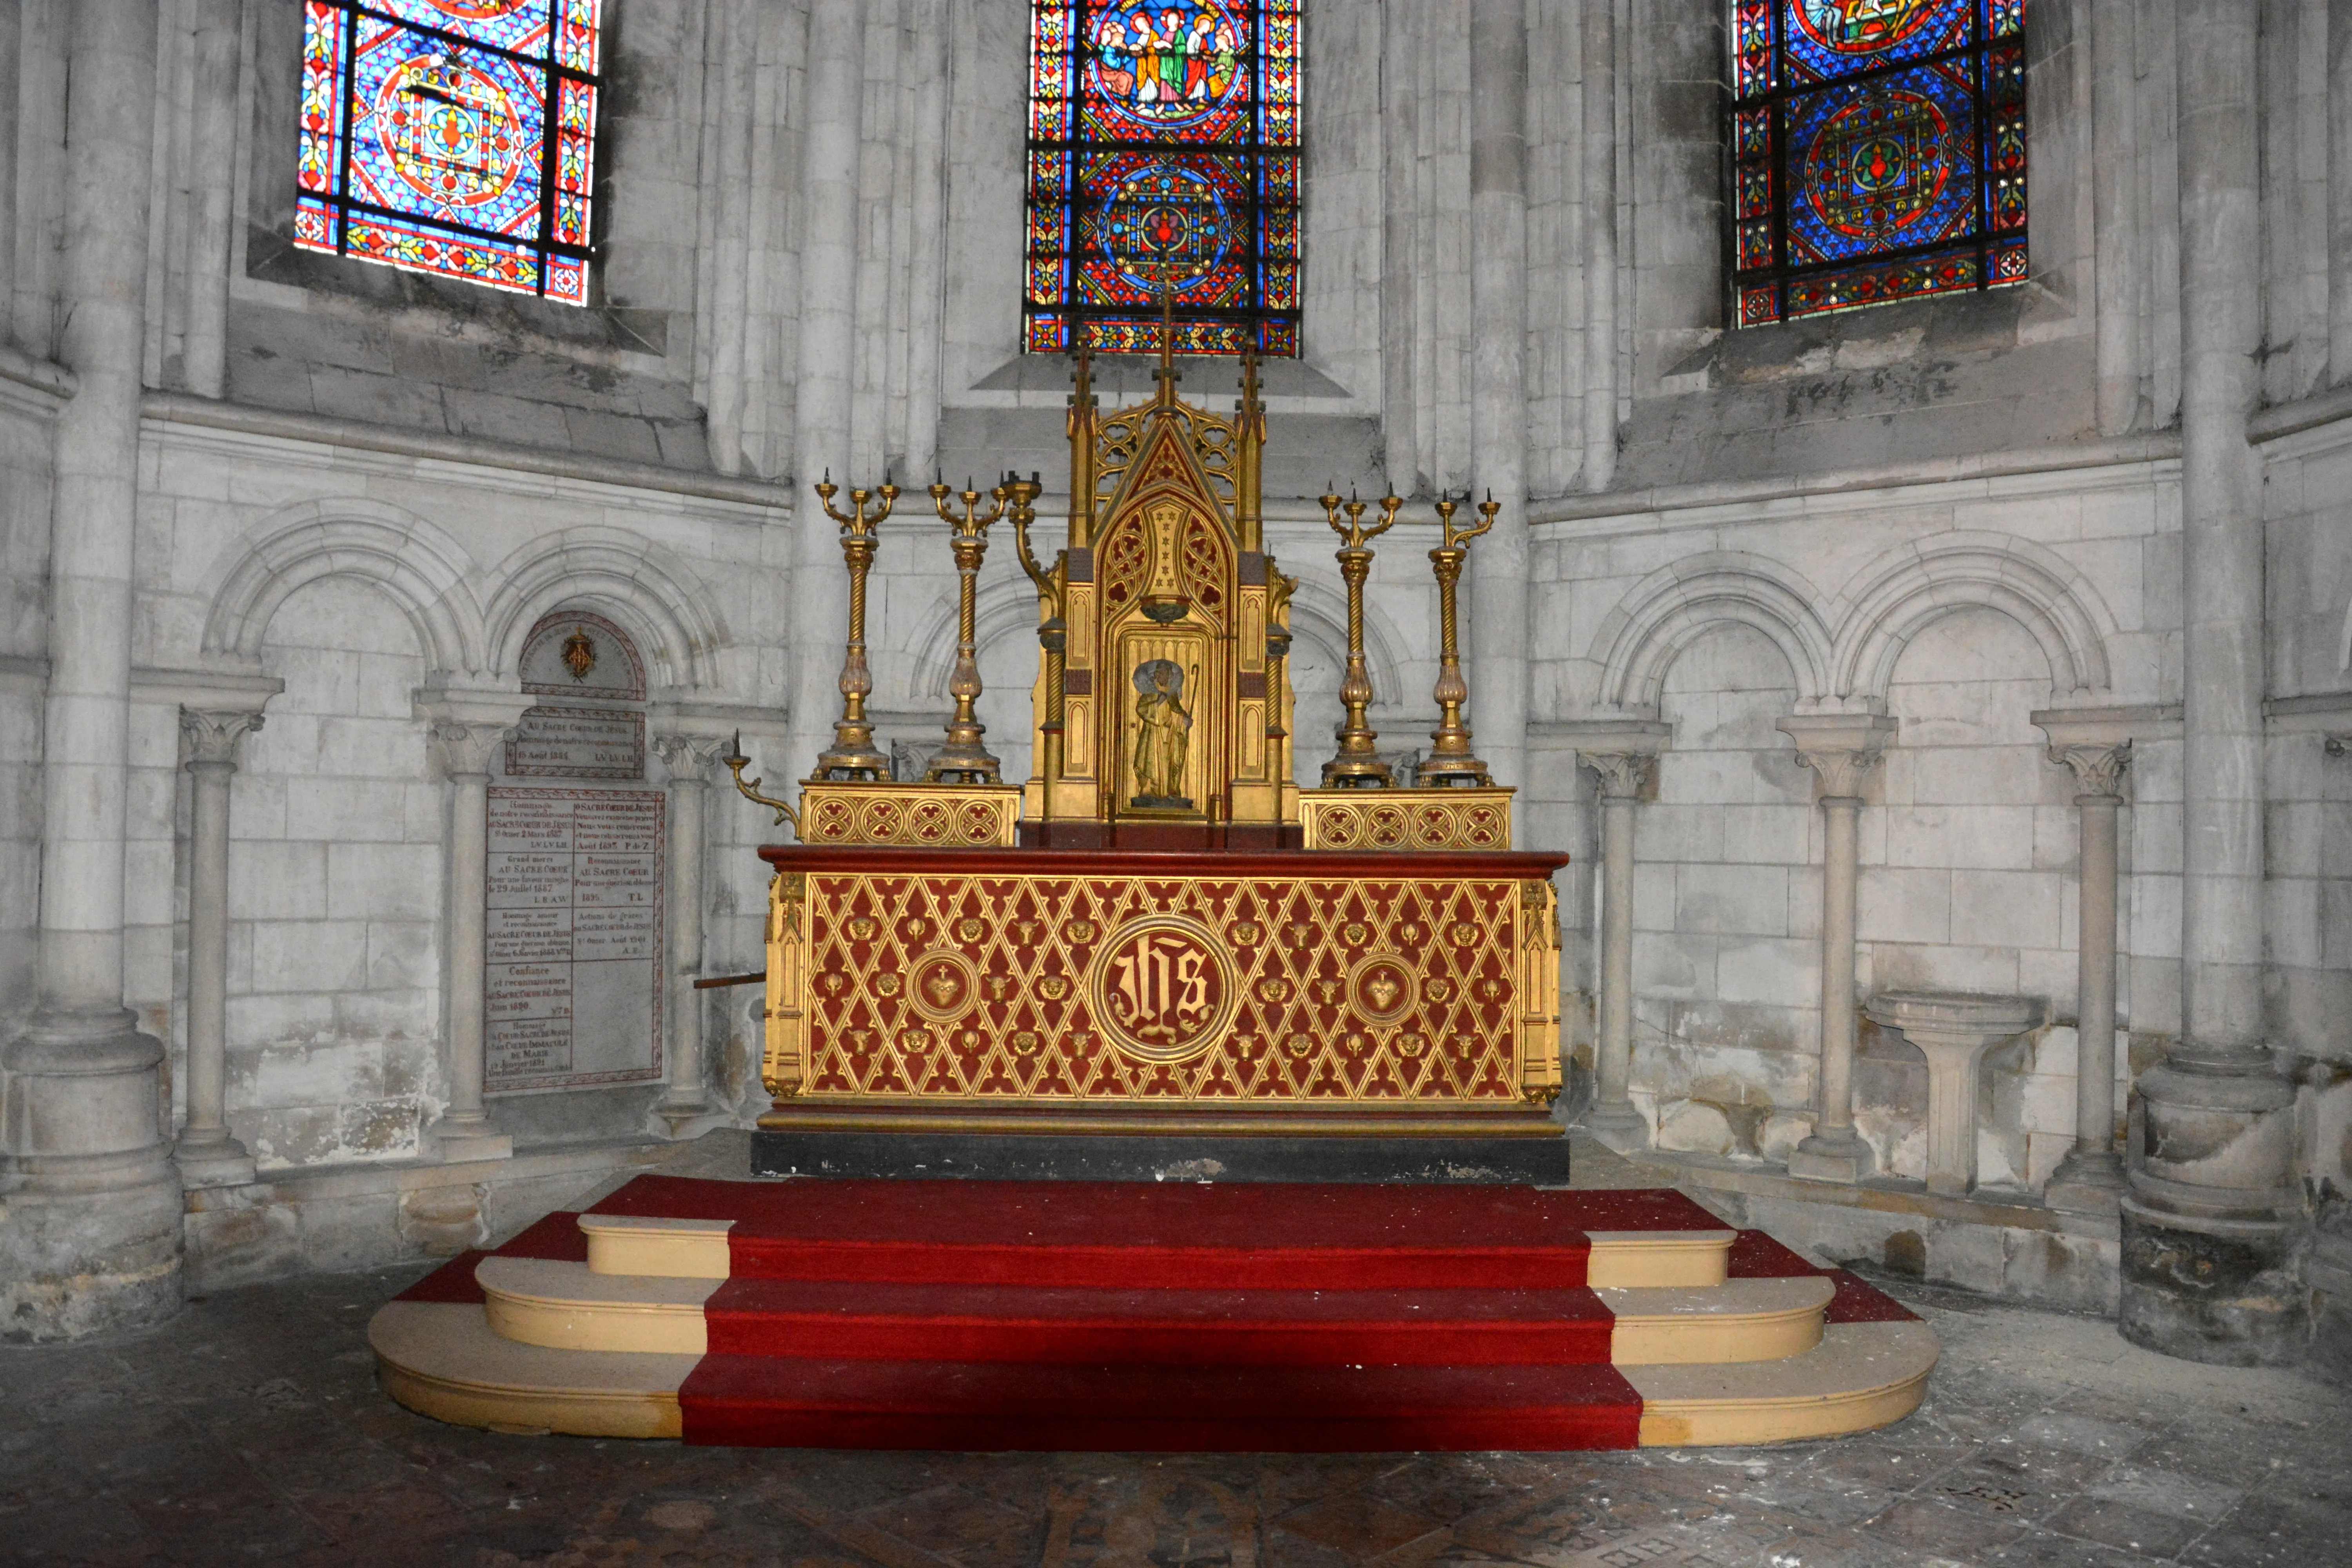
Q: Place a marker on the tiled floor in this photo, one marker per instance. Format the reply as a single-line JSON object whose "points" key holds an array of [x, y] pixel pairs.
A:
{"points": [[251, 1431]]}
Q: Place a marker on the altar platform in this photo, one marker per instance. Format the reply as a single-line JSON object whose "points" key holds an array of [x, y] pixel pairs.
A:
{"points": [[1150, 1317]]}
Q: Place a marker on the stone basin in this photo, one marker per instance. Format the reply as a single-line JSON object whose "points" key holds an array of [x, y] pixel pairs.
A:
{"points": [[1953, 1029]]}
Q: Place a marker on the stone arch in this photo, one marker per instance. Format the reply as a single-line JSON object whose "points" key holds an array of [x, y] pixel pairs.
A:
{"points": [[421, 569], [1671, 608], [656, 597], [1924, 581]]}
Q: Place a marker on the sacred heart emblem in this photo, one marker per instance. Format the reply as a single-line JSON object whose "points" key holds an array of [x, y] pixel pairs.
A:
{"points": [[1381, 988], [945, 987]]}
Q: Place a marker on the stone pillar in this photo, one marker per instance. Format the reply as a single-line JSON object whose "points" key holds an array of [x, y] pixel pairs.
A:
{"points": [[1499, 402], [1623, 758], [1600, 169], [91, 1234], [2116, 230], [2339, 192], [1840, 749], [690, 759], [204, 368], [207, 1155], [2212, 1226], [2090, 1180], [823, 375], [467, 735]]}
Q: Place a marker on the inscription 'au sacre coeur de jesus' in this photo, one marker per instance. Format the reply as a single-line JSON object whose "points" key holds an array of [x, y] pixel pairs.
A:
{"points": [[574, 938]]}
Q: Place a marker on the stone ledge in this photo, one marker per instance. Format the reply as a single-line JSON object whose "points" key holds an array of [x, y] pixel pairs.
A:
{"points": [[1884, 1194]]}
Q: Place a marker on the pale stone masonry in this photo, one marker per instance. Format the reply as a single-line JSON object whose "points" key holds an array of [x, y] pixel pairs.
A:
{"points": [[2070, 563]]}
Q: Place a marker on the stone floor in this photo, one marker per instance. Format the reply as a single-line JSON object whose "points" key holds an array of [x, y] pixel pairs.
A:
{"points": [[251, 1430]]}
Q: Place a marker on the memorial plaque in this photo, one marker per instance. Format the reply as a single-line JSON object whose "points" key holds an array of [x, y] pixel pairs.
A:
{"points": [[578, 743], [572, 995]]}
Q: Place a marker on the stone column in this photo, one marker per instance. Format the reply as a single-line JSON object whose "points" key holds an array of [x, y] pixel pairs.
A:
{"points": [[90, 1236], [2090, 1180], [207, 1155], [1623, 758], [1499, 402], [824, 374], [467, 735], [2339, 192], [2115, 226], [1840, 749], [2213, 1226], [1600, 170], [690, 759]]}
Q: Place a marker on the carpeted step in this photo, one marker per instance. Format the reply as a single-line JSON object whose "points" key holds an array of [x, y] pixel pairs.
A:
{"points": [[566, 1305], [774, 1401], [1129, 1235]]}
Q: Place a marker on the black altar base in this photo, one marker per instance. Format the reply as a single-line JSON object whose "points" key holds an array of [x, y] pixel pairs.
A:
{"points": [[1128, 1157]]}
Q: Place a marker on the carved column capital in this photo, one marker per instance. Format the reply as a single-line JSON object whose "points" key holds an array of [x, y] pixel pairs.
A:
{"points": [[212, 734], [2098, 768], [1624, 774], [1839, 748], [690, 758], [465, 748]]}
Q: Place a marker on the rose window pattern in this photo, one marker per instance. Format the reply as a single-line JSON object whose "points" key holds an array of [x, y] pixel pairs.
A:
{"points": [[452, 137], [1878, 152], [1163, 156]]}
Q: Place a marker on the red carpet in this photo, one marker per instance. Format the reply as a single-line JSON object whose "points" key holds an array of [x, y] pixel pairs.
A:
{"points": [[1134, 1316], [1131, 1235]]}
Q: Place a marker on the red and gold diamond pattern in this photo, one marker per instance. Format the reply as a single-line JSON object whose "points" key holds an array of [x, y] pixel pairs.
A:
{"points": [[1299, 1036]]}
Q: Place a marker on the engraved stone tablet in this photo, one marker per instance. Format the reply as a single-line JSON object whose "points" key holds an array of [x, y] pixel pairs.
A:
{"points": [[572, 995], [578, 743]]}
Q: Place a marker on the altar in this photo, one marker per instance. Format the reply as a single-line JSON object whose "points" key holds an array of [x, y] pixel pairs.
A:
{"points": [[1157, 952]]}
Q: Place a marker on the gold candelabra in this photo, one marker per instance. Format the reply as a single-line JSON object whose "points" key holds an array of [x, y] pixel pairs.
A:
{"points": [[853, 754], [963, 760], [1451, 763], [1053, 631], [1358, 765]]}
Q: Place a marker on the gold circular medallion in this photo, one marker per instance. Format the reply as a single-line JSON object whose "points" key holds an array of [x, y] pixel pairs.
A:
{"points": [[1163, 988], [1379, 987], [943, 987]]}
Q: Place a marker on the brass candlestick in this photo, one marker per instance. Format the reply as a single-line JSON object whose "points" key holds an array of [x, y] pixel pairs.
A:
{"points": [[1450, 764], [736, 763], [963, 760], [1054, 632], [853, 755], [1358, 765]]}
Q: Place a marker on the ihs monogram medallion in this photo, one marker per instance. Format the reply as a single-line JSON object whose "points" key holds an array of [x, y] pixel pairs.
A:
{"points": [[1163, 988]]}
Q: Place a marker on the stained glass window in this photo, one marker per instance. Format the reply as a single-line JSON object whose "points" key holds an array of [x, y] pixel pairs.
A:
{"points": [[1163, 155], [1878, 152], [453, 137]]}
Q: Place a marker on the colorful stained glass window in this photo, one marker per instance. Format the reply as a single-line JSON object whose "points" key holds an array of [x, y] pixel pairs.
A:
{"points": [[1163, 160], [1878, 152], [455, 137]]}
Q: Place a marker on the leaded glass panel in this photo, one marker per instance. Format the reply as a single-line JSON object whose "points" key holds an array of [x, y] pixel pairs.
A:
{"points": [[453, 137], [1878, 152], [1163, 154]]}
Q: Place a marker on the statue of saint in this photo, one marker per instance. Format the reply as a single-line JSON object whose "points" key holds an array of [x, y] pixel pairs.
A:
{"points": [[1163, 734]]}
